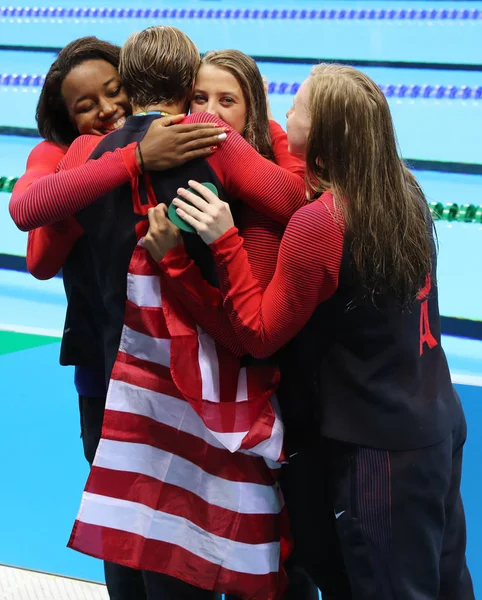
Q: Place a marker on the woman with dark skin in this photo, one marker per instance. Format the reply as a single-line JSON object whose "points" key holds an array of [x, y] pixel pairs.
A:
{"points": [[82, 94]]}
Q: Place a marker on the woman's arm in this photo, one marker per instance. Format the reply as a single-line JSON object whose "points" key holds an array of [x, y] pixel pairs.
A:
{"points": [[48, 247], [203, 301], [283, 158], [245, 174], [54, 196], [306, 274], [42, 162]]}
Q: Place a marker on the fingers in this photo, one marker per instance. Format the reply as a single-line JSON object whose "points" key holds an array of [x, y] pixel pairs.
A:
{"points": [[199, 153], [171, 120], [202, 142], [206, 193], [151, 215], [213, 133], [190, 220], [195, 213], [157, 216], [198, 127]]}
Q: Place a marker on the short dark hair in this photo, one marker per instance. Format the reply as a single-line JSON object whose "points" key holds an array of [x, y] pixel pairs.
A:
{"points": [[158, 65], [53, 120]]}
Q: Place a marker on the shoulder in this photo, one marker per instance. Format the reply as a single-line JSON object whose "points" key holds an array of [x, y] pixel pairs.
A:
{"points": [[86, 142], [47, 150], [314, 238], [316, 217], [80, 150]]}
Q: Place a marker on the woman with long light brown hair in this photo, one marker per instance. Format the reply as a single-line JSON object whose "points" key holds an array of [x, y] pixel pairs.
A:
{"points": [[356, 284], [229, 85]]}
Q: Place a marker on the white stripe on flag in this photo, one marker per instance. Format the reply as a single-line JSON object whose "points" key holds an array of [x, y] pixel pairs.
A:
{"points": [[209, 366], [123, 515], [238, 496], [145, 347], [179, 414], [144, 290], [242, 391], [176, 413], [231, 441], [272, 447]]}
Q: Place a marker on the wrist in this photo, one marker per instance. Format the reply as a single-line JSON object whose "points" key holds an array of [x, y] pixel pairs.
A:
{"points": [[140, 158], [229, 240], [129, 158], [174, 256]]}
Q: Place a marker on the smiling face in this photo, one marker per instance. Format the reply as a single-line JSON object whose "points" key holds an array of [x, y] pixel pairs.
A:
{"points": [[299, 121], [94, 98], [218, 92]]}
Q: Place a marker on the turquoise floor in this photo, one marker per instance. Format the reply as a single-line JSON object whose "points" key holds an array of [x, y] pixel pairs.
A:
{"points": [[44, 469]]}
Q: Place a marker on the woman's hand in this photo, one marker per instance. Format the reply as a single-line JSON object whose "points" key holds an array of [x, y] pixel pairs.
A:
{"points": [[210, 216], [168, 144], [163, 235]]}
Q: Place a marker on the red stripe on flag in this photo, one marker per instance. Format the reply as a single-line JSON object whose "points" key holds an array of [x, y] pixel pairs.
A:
{"points": [[233, 417], [168, 498], [142, 263], [138, 429], [261, 429], [229, 374], [144, 374], [137, 552], [221, 417], [147, 320]]}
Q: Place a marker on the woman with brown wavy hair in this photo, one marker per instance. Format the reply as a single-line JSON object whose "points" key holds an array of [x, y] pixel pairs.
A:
{"points": [[356, 284], [229, 85]]}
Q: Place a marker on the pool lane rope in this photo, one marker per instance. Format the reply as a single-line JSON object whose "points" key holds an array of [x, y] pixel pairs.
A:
{"points": [[399, 90], [464, 213], [343, 14]]}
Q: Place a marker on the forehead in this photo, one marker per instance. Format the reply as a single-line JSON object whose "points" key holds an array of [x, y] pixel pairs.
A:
{"points": [[302, 95], [217, 77], [88, 76]]}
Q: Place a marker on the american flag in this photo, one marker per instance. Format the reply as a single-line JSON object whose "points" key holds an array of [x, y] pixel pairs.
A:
{"points": [[184, 481]]}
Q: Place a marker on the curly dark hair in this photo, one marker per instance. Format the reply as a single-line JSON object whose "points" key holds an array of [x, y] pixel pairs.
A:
{"points": [[53, 120]]}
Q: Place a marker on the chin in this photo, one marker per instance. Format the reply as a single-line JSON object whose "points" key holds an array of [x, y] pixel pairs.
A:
{"points": [[296, 153]]}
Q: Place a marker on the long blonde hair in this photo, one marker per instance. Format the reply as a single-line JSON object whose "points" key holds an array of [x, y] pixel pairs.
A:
{"points": [[352, 150]]}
